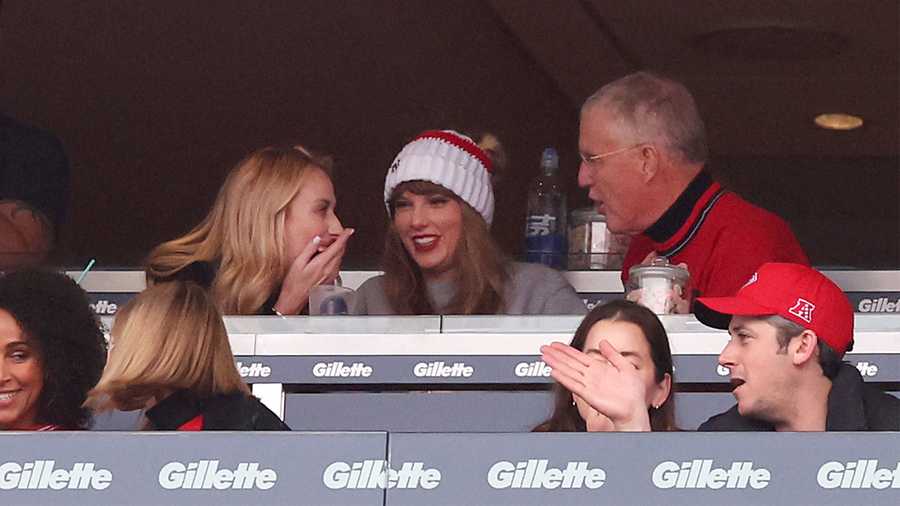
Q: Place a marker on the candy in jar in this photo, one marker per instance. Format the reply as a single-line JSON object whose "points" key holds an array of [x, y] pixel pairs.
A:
{"points": [[658, 285]]}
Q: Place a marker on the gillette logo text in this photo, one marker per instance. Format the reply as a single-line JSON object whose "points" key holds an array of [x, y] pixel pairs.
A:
{"points": [[42, 475], [206, 475], [537, 369], [536, 473], [859, 474], [701, 474], [377, 474], [339, 370], [253, 370], [442, 370]]}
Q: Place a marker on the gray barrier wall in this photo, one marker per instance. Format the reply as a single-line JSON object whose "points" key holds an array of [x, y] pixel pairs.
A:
{"points": [[174, 469], [436, 411], [465, 373], [449, 469], [672, 469], [456, 411], [475, 369], [868, 291]]}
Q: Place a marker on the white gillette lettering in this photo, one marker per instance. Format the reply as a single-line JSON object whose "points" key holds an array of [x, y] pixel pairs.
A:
{"points": [[535, 369], [42, 475], [206, 475], [339, 370], [254, 370], [442, 370], [700, 473], [537, 473], [370, 474]]}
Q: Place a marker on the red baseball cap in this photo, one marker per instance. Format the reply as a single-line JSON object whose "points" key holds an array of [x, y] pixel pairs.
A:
{"points": [[795, 292]]}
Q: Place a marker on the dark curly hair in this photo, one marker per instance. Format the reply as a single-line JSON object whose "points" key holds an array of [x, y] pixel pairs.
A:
{"points": [[53, 310]]}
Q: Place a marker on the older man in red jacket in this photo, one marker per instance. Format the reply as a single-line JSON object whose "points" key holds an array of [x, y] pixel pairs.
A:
{"points": [[643, 150]]}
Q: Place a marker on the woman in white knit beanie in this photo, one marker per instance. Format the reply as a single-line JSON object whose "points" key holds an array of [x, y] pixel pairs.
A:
{"points": [[439, 255]]}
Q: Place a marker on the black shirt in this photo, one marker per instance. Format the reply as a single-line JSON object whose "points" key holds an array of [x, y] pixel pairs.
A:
{"points": [[236, 411]]}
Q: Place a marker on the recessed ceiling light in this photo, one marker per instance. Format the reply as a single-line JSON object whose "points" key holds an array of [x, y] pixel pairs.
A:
{"points": [[839, 121]]}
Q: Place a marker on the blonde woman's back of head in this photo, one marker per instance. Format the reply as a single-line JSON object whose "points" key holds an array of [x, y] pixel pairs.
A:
{"points": [[170, 337]]}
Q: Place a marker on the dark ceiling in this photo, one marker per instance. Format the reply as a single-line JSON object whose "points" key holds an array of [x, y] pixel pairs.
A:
{"points": [[761, 69], [155, 101]]}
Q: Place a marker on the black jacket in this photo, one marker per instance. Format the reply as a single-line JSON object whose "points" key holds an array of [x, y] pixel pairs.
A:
{"points": [[853, 405], [222, 412]]}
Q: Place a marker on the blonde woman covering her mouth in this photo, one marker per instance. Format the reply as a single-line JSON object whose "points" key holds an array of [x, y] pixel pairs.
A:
{"points": [[271, 235]]}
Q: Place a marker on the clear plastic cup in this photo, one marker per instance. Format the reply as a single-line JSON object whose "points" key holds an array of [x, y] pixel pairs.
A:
{"points": [[330, 300]]}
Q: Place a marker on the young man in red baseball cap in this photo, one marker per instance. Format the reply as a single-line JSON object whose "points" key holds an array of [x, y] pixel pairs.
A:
{"points": [[790, 327]]}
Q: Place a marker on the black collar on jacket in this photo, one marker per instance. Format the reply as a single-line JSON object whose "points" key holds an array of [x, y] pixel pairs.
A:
{"points": [[846, 409], [174, 411], [676, 216], [235, 411], [182, 406]]}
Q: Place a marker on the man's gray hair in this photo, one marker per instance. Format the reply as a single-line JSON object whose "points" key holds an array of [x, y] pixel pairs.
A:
{"points": [[656, 109]]}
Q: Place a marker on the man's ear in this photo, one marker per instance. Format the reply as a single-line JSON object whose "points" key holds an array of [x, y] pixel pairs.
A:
{"points": [[650, 159], [804, 347]]}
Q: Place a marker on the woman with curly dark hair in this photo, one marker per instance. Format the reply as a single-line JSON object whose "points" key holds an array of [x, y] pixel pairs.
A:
{"points": [[52, 352]]}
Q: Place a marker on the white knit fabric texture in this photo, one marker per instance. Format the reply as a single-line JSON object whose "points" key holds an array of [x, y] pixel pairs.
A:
{"points": [[440, 162]]}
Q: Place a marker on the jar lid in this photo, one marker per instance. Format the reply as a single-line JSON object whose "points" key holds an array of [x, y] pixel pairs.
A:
{"points": [[586, 214], [660, 266]]}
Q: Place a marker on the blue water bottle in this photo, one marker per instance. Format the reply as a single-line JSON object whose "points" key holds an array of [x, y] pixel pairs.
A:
{"points": [[545, 221]]}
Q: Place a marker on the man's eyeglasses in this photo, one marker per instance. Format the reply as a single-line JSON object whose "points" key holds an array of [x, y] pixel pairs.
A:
{"points": [[592, 159]]}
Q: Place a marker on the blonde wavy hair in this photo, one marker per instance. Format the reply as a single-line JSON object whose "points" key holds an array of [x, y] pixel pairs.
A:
{"points": [[170, 337], [244, 230]]}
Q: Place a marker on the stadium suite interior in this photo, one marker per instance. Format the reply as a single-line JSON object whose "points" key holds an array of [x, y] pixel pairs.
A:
{"points": [[154, 104]]}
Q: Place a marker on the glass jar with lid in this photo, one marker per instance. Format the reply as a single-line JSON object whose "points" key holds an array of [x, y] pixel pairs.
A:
{"points": [[591, 245], [659, 285]]}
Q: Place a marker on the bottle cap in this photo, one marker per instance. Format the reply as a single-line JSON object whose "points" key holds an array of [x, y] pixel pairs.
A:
{"points": [[549, 160]]}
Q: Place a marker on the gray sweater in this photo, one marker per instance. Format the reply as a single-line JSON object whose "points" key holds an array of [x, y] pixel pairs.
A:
{"points": [[532, 289]]}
